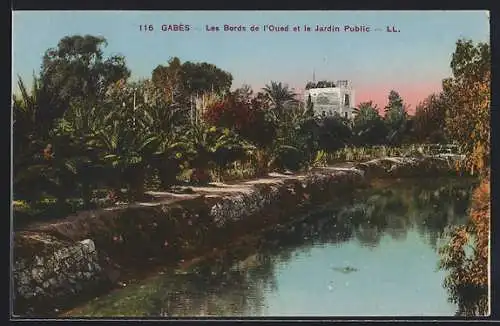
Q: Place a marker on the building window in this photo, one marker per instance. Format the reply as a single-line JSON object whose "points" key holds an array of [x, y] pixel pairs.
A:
{"points": [[346, 100]]}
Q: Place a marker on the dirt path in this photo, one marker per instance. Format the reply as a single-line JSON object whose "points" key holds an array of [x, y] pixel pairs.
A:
{"points": [[214, 189]]}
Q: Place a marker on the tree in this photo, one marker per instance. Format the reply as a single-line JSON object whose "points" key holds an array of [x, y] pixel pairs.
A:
{"points": [[212, 147], [189, 78], [467, 280], [76, 69], [30, 137], [169, 78], [467, 99], [368, 126], [429, 120], [205, 77], [230, 112], [126, 140], [166, 120], [366, 111], [279, 95], [334, 133], [28, 109], [246, 116], [466, 96], [76, 166], [395, 117], [244, 93]]}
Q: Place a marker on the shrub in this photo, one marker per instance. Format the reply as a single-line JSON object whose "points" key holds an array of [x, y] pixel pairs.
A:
{"points": [[248, 118]]}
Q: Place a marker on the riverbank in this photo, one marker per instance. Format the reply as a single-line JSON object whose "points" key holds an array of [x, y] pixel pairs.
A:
{"points": [[86, 253]]}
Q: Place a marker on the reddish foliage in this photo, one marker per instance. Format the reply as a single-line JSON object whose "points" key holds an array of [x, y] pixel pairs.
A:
{"points": [[480, 218], [230, 112], [246, 116], [468, 278]]}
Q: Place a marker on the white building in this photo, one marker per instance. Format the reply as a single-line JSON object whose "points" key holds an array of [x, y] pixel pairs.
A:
{"points": [[339, 99]]}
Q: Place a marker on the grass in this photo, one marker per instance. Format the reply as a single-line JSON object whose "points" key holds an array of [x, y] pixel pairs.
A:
{"points": [[47, 208], [359, 154]]}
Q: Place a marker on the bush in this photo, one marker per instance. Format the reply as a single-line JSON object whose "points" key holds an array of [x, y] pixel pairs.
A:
{"points": [[248, 118], [334, 133]]}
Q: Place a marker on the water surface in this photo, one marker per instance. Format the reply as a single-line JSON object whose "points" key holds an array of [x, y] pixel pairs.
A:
{"points": [[374, 254]]}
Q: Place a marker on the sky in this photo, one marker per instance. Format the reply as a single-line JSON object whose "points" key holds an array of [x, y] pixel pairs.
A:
{"points": [[412, 61]]}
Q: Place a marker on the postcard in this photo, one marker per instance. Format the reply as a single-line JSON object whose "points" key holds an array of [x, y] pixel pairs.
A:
{"points": [[308, 164]]}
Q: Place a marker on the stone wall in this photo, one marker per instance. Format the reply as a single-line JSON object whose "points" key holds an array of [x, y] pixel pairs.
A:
{"points": [[59, 272], [57, 262], [237, 207]]}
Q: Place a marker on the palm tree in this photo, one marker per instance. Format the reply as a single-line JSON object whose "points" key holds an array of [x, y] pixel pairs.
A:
{"points": [[164, 121], [244, 93], [366, 111], [30, 113], [76, 159], [30, 136], [125, 148], [368, 125], [279, 95], [214, 147]]}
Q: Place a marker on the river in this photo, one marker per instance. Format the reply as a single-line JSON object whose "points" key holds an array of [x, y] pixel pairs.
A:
{"points": [[373, 254]]}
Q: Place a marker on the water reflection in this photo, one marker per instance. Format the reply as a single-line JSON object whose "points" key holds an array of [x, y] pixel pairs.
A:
{"points": [[291, 270]]}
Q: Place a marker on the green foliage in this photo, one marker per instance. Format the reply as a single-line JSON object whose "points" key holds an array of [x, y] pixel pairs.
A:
{"points": [[28, 112], [429, 120], [210, 146], [466, 257], [279, 95], [321, 159], [396, 118], [467, 99], [205, 77], [82, 127], [296, 142], [189, 78], [368, 126], [289, 157], [30, 137], [169, 79], [334, 132], [76, 69], [359, 154], [244, 93]]}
